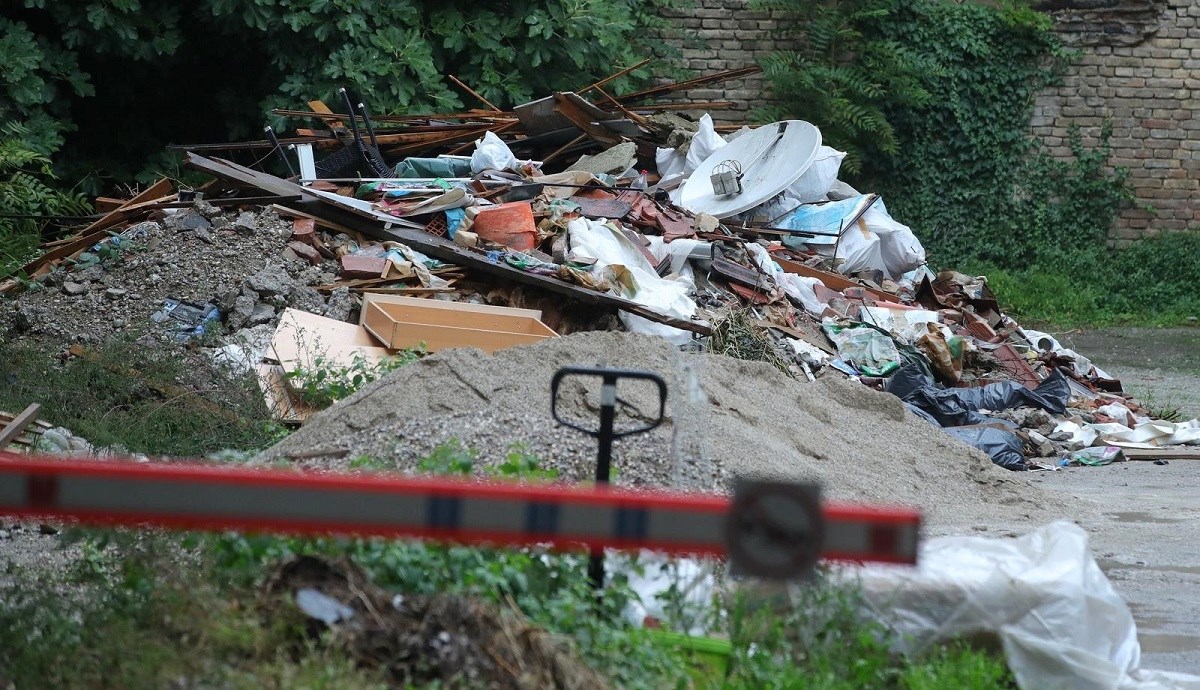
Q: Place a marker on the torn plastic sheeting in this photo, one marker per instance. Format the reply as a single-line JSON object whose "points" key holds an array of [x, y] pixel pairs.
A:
{"points": [[681, 251], [875, 241], [869, 350], [962, 406], [611, 248], [1156, 432], [1001, 445], [1059, 620], [799, 288]]}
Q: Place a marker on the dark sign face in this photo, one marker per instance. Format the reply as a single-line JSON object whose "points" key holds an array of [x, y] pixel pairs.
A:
{"points": [[775, 529]]}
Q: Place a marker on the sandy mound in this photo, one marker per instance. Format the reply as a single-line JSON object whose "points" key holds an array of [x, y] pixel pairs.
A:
{"points": [[725, 417]]}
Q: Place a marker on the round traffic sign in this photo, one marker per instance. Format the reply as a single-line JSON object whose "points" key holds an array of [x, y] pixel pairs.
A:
{"points": [[775, 529]]}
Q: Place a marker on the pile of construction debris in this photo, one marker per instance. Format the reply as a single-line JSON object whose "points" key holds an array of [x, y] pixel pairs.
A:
{"points": [[490, 229]]}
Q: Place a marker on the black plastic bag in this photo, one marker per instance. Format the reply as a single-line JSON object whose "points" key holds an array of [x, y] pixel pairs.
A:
{"points": [[1003, 447], [960, 406]]}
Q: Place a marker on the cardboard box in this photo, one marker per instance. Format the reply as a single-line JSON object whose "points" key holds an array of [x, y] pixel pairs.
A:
{"points": [[407, 322], [305, 341]]}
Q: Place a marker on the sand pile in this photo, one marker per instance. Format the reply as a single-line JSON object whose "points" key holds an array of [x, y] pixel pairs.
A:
{"points": [[725, 417]]}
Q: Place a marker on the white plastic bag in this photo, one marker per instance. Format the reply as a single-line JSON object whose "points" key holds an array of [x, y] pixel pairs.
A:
{"points": [[491, 153], [669, 162], [876, 242], [899, 248], [816, 182], [704, 143], [1058, 618], [609, 247]]}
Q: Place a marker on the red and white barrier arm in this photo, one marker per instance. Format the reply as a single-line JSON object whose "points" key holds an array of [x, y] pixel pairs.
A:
{"points": [[205, 497]]}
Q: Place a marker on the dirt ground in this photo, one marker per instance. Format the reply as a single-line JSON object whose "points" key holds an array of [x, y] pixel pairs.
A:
{"points": [[1148, 528]]}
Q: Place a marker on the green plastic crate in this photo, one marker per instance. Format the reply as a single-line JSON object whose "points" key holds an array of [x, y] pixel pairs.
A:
{"points": [[707, 657]]}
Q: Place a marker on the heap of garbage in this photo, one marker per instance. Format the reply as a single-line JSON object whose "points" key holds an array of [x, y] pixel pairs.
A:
{"points": [[587, 211]]}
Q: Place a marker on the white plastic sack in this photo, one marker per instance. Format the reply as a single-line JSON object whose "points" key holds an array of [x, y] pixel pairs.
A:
{"points": [[816, 182], [1061, 623], [704, 143], [876, 242], [609, 247], [898, 246], [491, 153], [669, 162]]}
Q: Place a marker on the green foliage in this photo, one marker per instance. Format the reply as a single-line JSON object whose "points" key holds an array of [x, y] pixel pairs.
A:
{"points": [[27, 188], [951, 152], [1150, 283], [57, 55], [450, 458], [328, 381], [145, 401], [819, 640], [136, 612], [841, 79], [520, 464]]}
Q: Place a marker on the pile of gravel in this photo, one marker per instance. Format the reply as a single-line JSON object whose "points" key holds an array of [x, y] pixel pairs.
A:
{"points": [[237, 261], [725, 417]]}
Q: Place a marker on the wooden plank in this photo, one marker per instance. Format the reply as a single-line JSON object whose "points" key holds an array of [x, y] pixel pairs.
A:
{"points": [[106, 204], [1173, 453], [402, 291], [92, 233], [571, 110], [327, 210], [14, 428], [690, 83], [833, 281]]}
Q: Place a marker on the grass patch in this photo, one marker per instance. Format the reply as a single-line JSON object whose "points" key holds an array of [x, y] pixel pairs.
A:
{"points": [[144, 614], [1151, 283], [168, 401]]}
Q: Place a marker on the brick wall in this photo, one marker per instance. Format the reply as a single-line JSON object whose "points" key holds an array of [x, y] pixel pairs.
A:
{"points": [[716, 35], [1139, 68], [1144, 76]]}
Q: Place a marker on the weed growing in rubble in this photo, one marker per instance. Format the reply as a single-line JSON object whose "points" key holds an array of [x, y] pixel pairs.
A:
{"points": [[327, 380]]}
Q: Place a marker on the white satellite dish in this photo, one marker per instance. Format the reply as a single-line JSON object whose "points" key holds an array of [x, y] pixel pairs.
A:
{"points": [[770, 159]]}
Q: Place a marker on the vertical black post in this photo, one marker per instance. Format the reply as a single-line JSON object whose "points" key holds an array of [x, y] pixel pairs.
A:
{"points": [[608, 411]]}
